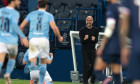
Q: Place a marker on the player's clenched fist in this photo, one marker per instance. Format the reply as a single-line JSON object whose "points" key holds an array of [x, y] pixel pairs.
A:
{"points": [[93, 38], [60, 39], [86, 37]]}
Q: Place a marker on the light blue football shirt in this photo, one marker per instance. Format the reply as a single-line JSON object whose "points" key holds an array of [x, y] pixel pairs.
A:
{"points": [[9, 29], [39, 23]]}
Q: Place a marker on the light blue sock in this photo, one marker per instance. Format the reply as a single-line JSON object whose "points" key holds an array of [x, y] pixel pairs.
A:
{"points": [[1, 66], [42, 73], [10, 66]]}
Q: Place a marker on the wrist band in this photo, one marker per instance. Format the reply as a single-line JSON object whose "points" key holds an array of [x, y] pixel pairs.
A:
{"points": [[51, 56]]}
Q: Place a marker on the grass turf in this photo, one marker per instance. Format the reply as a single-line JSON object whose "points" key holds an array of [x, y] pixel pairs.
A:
{"points": [[17, 81]]}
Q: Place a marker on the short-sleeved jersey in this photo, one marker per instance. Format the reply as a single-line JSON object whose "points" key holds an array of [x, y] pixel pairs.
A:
{"points": [[38, 63], [7, 17], [39, 23], [133, 8], [113, 44]]}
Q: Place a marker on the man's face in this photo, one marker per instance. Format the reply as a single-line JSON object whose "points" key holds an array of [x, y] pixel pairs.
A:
{"points": [[89, 21], [17, 4]]}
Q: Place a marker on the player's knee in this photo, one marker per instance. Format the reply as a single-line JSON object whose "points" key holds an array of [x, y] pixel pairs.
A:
{"points": [[12, 57], [43, 61], [116, 69], [100, 67]]}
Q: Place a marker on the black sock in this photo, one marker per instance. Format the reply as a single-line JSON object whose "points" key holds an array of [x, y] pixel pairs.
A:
{"points": [[117, 78], [99, 75]]}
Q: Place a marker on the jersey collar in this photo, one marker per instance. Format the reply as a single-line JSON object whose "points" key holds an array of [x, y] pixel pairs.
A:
{"points": [[41, 10], [9, 7]]}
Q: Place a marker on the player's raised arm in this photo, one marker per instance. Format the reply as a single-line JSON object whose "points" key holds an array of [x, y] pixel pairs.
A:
{"points": [[50, 59], [55, 29]]}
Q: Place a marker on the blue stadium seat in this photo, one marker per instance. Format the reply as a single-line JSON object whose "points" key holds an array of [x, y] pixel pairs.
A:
{"points": [[70, 8], [56, 9], [94, 2], [50, 1], [82, 2], [48, 7], [67, 2], [64, 24]]}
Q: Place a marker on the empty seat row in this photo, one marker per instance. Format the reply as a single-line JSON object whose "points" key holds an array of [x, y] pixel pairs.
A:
{"points": [[78, 2]]}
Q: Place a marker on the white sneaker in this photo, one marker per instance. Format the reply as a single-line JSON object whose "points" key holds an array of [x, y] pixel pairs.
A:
{"points": [[7, 78]]}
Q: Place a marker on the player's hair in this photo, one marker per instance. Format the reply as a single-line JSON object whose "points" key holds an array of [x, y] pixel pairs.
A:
{"points": [[9, 1], [42, 3]]}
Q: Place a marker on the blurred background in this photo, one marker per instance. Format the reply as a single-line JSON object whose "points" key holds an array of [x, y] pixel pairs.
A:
{"points": [[69, 15]]}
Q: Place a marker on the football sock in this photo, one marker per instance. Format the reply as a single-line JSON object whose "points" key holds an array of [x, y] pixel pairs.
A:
{"points": [[42, 73], [117, 78], [10, 66], [99, 75], [0, 66]]}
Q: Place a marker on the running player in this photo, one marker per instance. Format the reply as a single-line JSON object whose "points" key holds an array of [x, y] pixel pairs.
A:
{"points": [[131, 21], [34, 73], [9, 31], [109, 51], [40, 21]]}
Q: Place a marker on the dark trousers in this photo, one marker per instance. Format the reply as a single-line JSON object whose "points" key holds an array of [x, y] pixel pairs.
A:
{"points": [[89, 56]]}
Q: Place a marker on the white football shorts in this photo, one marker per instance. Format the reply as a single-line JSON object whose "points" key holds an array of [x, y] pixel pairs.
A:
{"points": [[8, 48], [39, 47]]}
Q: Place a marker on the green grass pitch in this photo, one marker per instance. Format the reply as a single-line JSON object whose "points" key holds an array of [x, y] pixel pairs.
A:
{"points": [[16, 81]]}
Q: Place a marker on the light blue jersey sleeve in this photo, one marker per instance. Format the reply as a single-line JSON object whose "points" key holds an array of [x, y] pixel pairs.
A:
{"points": [[48, 58], [25, 59], [28, 17], [15, 26], [51, 18]]}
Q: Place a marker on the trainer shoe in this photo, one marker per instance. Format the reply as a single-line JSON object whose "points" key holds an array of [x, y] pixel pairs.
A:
{"points": [[7, 78], [107, 80]]}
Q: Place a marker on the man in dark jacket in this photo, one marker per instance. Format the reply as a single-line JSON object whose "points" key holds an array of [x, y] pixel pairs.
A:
{"points": [[89, 38]]}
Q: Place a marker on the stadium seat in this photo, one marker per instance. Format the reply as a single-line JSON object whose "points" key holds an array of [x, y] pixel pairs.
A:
{"points": [[50, 2], [64, 15], [82, 2], [48, 7], [24, 5], [86, 4], [84, 13], [70, 8], [56, 8], [94, 2], [64, 24], [67, 2]]}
